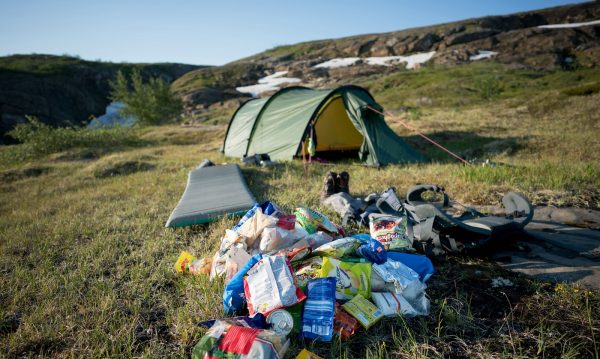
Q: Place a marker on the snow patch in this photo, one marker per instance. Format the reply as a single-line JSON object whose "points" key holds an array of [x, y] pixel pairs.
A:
{"points": [[482, 54], [268, 83], [570, 25], [338, 62], [411, 60]]}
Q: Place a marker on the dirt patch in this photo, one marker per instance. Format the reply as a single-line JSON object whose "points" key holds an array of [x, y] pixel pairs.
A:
{"points": [[122, 168], [17, 174]]}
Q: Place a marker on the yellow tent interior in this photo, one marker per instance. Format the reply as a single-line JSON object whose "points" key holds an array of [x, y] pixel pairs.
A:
{"points": [[334, 130]]}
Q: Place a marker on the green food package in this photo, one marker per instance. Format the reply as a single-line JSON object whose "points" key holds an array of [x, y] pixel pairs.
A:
{"points": [[392, 232], [363, 310], [351, 278]]}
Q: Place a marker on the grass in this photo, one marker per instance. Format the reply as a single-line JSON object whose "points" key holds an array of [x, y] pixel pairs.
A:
{"points": [[87, 267]]}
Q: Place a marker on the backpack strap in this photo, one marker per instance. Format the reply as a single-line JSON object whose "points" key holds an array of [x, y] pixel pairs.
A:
{"points": [[413, 196]]}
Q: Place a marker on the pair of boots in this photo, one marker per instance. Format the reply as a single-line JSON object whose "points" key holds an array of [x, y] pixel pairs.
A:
{"points": [[334, 183]]}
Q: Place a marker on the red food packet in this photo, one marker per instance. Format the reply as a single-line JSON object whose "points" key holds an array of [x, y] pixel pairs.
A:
{"points": [[287, 222], [238, 340]]}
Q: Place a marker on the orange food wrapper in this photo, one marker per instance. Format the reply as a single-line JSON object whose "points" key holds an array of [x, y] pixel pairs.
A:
{"points": [[344, 323]]}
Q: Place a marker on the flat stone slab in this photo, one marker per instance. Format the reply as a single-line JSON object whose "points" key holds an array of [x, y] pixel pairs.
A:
{"points": [[558, 252]]}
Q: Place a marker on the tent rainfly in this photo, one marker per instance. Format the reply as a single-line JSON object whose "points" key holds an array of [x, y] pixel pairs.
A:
{"points": [[338, 120]]}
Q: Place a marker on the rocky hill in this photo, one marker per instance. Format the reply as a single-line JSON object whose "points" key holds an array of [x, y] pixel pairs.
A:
{"points": [[63, 90], [527, 40]]}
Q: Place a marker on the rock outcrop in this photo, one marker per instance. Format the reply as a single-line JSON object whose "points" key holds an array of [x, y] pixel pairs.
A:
{"points": [[63, 91], [517, 40]]}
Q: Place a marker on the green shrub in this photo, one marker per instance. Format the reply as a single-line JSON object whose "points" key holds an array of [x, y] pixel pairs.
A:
{"points": [[489, 87], [151, 103], [38, 138]]}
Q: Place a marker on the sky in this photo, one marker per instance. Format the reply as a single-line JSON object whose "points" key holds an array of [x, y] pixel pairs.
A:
{"points": [[218, 31]]}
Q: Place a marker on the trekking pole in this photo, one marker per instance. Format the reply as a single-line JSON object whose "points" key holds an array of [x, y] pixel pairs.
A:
{"points": [[387, 113]]}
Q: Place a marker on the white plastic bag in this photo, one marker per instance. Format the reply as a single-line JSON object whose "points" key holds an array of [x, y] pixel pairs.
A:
{"points": [[405, 282]]}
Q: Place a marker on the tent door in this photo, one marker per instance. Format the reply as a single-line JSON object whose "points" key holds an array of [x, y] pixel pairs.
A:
{"points": [[333, 129]]}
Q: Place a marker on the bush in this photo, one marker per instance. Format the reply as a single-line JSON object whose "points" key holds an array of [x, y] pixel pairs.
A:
{"points": [[38, 138], [151, 103], [489, 87]]}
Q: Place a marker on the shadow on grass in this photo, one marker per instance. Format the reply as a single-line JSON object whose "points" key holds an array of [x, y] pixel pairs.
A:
{"points": [[465, 144]]}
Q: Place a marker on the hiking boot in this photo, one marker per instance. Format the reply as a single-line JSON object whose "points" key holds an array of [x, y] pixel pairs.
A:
{"points": [[343, 182], [329, 185]]}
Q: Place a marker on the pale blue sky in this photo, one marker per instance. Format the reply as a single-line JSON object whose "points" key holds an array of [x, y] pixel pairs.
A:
{"points": [[219, 31]]}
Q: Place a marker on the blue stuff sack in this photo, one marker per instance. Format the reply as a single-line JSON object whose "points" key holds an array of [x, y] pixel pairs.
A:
{"points": [[233, 296], [420, 264], [319, 309], [371, 249]]}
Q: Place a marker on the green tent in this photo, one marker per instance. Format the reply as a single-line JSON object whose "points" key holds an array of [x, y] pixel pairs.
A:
{"points": [[338, 120]]}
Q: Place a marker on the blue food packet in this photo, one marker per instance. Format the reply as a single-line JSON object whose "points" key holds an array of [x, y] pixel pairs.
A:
{"points": [[319, 309], [371, 249]]}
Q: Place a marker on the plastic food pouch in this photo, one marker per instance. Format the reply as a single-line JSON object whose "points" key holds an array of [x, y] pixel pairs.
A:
{"points": [[183, 262], [391, 232], [296, 254], [344, 323], [339, 248], [230, 239], [305, 354], [218, 265], [287, 222], [256, 321], [392, 304], [371, 249], [405, 281], [377, 283], [312, 220], [307, 270], [296, 313], [312, 241], [363, 310], [224, 340], [419, 263], [200, 266], [275, 238], [246, 217], [319, 309], [268, 208], [234, 296], [351, 278], [271, 285], [235, 259], [254, 226]]}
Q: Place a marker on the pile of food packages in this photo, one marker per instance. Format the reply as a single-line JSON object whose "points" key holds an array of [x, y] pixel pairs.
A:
{"points": [[300, 274]]}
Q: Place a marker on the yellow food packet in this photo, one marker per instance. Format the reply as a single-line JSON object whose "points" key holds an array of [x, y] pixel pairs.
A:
{"points": [[305, 354], [363, 310], [183, 262]]}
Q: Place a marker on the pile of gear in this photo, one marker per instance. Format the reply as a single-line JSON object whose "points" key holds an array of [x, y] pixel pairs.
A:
{"points": [[329, 283], [301, 274]]}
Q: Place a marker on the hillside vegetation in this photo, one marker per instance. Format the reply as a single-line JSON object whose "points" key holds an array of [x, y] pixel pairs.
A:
{"points": [[64, 90]]}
